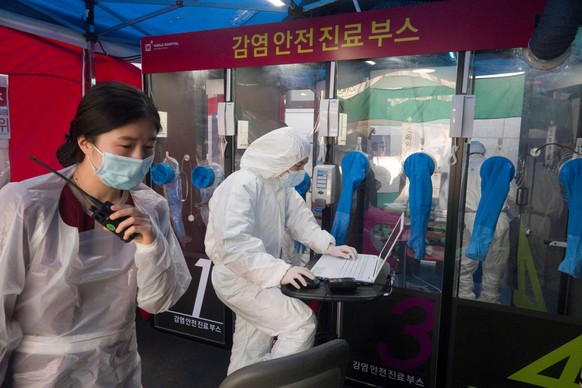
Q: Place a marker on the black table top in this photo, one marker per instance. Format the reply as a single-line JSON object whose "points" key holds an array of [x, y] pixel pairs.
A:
{"points": [[323, 293]]}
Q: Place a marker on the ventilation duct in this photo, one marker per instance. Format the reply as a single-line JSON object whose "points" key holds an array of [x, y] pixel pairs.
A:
{"points": [[554, 33]]}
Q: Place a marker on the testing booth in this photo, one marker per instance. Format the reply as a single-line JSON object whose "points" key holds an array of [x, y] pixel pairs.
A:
{"points": [[483, 270]]}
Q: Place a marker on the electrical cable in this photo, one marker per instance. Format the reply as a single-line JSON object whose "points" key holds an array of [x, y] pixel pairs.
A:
{"points": [[535, 152]]}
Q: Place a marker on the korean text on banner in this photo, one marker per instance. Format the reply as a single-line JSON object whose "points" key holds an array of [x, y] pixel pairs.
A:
{"points": [[4, 112]]}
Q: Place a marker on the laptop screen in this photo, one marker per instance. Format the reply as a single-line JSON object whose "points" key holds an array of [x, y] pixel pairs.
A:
{"points": [[390, 243]]}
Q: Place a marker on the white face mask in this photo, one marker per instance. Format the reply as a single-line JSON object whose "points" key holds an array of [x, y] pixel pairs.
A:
{"points": [[122, 172], [291, 179]]}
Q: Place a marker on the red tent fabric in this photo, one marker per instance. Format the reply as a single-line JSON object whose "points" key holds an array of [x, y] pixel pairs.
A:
{"points": [[45, 86]]}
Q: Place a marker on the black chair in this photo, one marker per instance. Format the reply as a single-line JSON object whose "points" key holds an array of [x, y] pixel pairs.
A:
{"points": [[323, 366]]}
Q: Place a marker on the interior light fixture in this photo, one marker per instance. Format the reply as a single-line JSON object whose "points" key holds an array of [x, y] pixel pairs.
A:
{"points": [[276, 3], [423, 71], [500, 75], [372, 63]]}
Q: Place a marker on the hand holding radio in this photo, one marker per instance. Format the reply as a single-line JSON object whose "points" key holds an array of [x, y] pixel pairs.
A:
{"points": [[131, 223], [125, 221]]}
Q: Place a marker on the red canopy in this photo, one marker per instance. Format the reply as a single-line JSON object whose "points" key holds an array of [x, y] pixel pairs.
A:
{"points": [[45, 86]]}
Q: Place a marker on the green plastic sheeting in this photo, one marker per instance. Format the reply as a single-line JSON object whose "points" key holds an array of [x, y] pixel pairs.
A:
{"points": [[495, 98]]}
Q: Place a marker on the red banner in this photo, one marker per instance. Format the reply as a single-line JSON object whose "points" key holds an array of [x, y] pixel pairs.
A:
{"points": [[452, 25]]}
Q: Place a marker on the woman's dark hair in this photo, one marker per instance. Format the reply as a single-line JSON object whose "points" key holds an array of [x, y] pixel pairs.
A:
{"points": [[105, 106]]}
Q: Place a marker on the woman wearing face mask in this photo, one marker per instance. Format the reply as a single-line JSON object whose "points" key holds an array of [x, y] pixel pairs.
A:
{"points": [[249, 213], [69, 287]]}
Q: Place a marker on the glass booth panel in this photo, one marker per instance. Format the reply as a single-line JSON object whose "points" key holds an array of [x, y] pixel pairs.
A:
{"points": [[531, 119], [188, 104], [394, 108], [548, 270], [491, 216], [271, 97]]}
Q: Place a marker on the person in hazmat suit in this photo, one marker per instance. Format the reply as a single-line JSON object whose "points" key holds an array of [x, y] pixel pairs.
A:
{"points": [[495, 263], [69, 286], [249, 214]]}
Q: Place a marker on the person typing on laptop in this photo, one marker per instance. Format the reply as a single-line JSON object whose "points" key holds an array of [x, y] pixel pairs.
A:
{"points": [[249, 214]]}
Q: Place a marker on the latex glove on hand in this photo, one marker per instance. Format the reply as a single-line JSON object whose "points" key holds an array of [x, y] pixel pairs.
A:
{"points": [[294, 276], [343, 251]]}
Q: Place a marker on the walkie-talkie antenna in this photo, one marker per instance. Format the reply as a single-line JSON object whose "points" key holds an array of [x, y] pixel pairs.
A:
{"points": [[93, 200]]}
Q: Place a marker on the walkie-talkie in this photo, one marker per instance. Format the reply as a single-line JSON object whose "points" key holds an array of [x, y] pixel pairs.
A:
{"points": [[100, 211]]}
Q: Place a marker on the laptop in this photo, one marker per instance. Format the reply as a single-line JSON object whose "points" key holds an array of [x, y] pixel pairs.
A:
{"points": [[365, 268]]}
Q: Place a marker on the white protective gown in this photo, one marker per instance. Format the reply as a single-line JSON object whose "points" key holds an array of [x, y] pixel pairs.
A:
{"points": [[249, 213], [495, 263], [67, 317]]}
